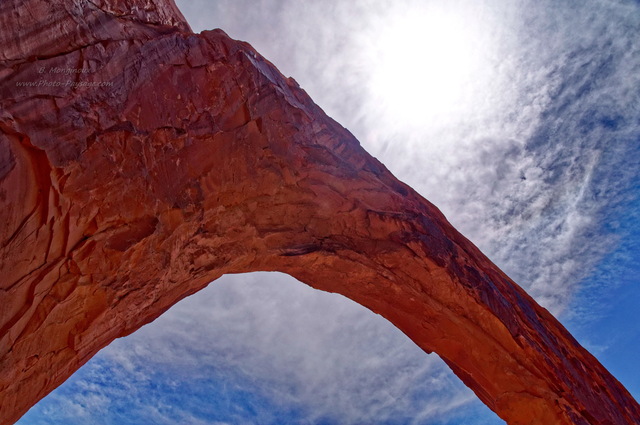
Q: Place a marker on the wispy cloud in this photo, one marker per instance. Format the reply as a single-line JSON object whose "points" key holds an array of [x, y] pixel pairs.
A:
{"points": [[347, 365]]}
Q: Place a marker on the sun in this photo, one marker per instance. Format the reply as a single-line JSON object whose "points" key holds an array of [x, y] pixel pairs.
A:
{"points": [[423, 65]]}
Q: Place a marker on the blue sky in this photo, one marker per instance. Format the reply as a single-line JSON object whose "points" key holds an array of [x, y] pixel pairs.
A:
{"points": [[519, 119]]}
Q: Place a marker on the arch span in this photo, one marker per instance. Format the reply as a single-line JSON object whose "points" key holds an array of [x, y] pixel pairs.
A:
{"points": [[176, 158], [264, 348]]}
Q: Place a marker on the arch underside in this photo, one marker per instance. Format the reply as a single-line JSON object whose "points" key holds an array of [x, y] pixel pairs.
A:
{"points": [[192, 156]]}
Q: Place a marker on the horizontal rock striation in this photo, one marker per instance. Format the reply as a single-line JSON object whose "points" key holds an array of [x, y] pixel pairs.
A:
{"points": [[140, 161]]}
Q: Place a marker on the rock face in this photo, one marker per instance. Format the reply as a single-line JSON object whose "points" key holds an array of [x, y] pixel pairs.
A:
{"points": [[140, 161]]}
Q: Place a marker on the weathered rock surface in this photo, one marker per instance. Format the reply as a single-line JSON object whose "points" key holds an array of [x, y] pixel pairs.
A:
{"points": [[139, 162]]}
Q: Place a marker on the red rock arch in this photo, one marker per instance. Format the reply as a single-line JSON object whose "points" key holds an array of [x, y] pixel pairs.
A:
{"points": [[176, 158]]}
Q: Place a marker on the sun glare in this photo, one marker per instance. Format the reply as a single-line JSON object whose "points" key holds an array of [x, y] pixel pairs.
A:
{"points": [[424, 65]]}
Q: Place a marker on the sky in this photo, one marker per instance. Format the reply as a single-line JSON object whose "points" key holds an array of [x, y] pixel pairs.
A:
{"points": [[519, 119]]}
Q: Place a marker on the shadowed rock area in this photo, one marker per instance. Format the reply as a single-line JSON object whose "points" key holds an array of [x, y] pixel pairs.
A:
{"points": [[140, 161]]}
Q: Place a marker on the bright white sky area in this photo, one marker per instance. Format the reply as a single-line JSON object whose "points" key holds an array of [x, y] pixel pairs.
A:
{"points": [[520, 120]]}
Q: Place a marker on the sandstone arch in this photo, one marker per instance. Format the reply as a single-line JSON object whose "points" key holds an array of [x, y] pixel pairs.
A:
{"points": [[190, 156]]}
